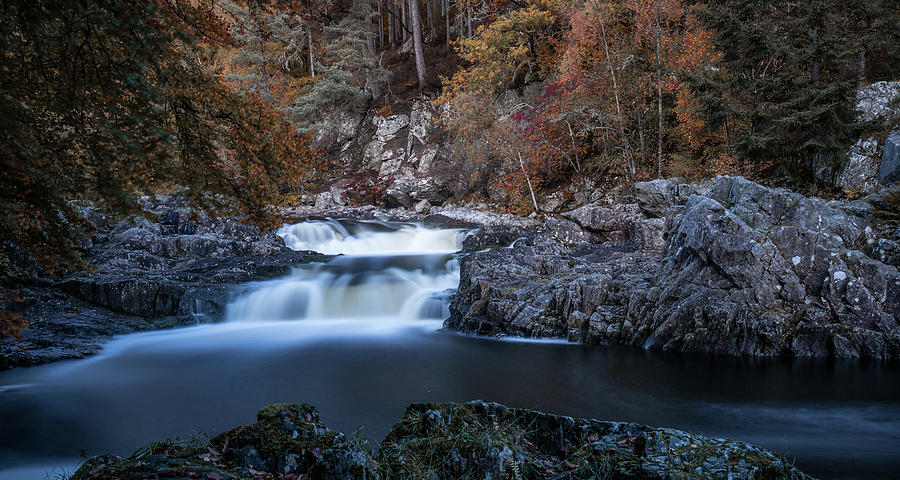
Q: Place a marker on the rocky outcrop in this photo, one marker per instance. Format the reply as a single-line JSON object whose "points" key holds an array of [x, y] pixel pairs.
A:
{"points": [[488, 440], [449, 441], [890, 160], [146, 275], [742, 270], [614, 223], [62, 327], [155, 269], [861, 173], [459, 217]]}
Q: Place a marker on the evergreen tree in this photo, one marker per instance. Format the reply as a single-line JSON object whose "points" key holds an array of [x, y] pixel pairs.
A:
{"points": [[782, 90], [350, 70]]}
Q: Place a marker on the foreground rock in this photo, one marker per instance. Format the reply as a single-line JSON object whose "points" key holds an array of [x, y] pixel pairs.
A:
{"points": [[744, 270], [449, 441], [145, 275]]}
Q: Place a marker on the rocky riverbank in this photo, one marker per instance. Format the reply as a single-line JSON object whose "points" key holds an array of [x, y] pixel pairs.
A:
{"points": [[145, 275], [448, 440], [726, 267]]}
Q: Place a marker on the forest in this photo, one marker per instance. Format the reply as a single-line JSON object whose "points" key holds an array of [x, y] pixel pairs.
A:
{"points": [[105, 101]]}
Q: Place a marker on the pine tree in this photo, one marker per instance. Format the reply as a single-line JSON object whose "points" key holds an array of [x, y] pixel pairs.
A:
{"points": [[349, 72], [782, 90]]}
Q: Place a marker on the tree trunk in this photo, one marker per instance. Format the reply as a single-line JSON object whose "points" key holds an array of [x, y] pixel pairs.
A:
{"points": [[469, 21], [813, 33], [380, 27], [630, 169], [403, 20], [374, 88], [429, 13], [391, 29], [527, 179], [417, 42], [312, 63], [659, 139], [447, 19], [861, 68]]}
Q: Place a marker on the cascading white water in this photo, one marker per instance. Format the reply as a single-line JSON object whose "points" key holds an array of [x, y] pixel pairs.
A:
{"points": [[368, 238], [385, 271]]}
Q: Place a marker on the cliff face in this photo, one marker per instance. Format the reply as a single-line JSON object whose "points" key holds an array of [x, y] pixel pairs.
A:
{"points": [[735, 269], [392, 160]]}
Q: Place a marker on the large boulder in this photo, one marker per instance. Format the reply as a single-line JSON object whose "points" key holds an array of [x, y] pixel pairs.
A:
{"points": [[655, 197], [545, 289], [613, 223], [287, 441], [860, 173], [408, 191], [757, 271]]}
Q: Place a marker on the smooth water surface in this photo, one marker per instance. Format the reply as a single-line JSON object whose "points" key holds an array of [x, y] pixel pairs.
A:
{"points": [[359, 339]]}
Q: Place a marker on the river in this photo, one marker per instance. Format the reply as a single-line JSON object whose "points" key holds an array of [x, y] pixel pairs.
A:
{"points": [[360, 337]]}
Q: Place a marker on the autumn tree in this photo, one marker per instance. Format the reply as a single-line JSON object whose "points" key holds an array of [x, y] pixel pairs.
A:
{"points": [[514, 50], [105, 101]]}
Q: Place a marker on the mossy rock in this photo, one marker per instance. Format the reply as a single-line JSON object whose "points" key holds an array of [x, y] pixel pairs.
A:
{"points": [[287, 441], [488, 440], [474, 440]]}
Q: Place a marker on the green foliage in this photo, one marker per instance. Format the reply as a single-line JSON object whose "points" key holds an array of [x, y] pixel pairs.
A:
{"points": [[348, 73], [104, 100], [784, 87]]}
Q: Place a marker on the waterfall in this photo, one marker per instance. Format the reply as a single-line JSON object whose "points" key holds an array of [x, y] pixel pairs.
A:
{"points": [[385, 271], [368, 238]]}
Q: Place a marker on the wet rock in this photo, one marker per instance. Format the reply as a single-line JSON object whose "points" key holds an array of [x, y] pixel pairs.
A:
{"points": [[147, 275], [61, 327], [614, 223], [536, 288], [488, 440], [491, 237], [890, 160], [655, 197], [449, 440], [747, 271]]}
